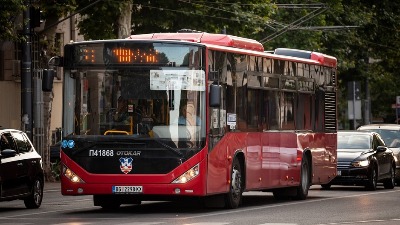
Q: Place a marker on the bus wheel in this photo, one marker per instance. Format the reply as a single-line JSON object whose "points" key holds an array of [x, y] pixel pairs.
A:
{"points": [[106, 202], [302, 189], [234, 197]]}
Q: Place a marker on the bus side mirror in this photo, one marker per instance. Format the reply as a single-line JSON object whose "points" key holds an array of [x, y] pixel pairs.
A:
{"points": [[215, 95], [47, 80]]}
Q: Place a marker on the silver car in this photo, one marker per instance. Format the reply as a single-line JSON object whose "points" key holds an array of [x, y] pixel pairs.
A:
{"points": [[390, 133]]}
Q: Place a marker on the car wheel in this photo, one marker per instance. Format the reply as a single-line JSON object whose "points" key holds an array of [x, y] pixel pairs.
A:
{"points": [[34, 200], [302, 189], [372, 179], [390, 182], [234, 197]]}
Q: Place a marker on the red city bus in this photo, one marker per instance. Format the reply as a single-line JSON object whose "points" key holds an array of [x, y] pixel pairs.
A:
{"points": [[167, 116]]}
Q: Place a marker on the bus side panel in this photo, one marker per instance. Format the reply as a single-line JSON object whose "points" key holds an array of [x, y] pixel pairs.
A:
{"points": [[323, 150], [254, 174], [325, 169], [270, 160], [220, 162], [289, 171]]}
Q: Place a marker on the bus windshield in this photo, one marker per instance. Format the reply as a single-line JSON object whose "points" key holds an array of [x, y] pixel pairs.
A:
{"points": [[116, 93]]}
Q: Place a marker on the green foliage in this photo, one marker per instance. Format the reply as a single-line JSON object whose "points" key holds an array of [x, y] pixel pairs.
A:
{"points": [[9, 12], [374, 32], [56, 8], [55, 170], [243, 18], [376, 38], [100, 21]]}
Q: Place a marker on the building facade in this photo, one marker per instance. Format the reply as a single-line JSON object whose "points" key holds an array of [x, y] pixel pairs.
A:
{"points": [[10, 84]]}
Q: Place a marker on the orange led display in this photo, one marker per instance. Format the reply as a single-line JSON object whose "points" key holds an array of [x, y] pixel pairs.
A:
{"points": [[127, 55], [89, 55]]}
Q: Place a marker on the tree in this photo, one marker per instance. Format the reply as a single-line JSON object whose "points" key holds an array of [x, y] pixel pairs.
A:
{"points": [[246, 18], [105, 19], [9, 13]]}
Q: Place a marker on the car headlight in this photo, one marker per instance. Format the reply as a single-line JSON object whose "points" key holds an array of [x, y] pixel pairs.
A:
{"points": [[362, 163], [71, 175], [188, 175]]}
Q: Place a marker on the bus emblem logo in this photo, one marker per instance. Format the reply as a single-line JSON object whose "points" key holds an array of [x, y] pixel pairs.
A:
{"points": [[126, 164]]}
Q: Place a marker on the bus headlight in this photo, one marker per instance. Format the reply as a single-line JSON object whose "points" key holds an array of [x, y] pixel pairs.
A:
{"points": [[188, 175], [71, 175]]}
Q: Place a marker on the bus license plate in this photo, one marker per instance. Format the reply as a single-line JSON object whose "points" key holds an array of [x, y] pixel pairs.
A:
{"points": [[339, 173], [127, 189]]}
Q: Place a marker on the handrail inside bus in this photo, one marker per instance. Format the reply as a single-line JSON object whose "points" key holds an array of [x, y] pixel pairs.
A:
{"points": [[111, 132]]}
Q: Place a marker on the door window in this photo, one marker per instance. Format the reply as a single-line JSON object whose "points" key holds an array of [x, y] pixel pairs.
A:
{"points": [[6, 142], [21, 142]]}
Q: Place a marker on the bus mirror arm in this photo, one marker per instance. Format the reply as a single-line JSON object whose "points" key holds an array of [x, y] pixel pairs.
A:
{"points": [[55, 61]]}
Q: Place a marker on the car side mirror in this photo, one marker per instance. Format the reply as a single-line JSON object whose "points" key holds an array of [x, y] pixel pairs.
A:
{"points": [[381, 148], [6, 153]]}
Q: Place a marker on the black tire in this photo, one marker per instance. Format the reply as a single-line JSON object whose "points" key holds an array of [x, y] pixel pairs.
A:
{"points": [[234, 197], [390, 182], [281, 194], [372, 179], [302, 189], [106, 202], [34, 200], [326, 186]]}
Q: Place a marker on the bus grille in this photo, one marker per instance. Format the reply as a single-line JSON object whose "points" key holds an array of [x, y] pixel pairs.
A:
{"points": [[330, 111]]}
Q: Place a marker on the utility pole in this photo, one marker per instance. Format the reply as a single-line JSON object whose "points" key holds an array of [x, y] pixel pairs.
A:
{"points": [[26, 74]]}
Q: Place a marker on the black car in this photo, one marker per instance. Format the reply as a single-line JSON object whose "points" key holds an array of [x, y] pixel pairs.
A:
{"points": [[21, 171], [55, 152], [390, 133], [363, 159]]}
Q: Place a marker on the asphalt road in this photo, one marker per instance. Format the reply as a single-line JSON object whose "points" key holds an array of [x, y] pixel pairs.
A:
{"points": [[339, 206]]}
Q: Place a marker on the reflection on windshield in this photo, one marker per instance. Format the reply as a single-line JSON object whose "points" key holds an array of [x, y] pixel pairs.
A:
{"points": [[126, 103], [391, 137], [350, 141], [167, 103]]}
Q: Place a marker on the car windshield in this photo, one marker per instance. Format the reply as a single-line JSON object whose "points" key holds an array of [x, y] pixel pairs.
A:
{"points": [[391, 137], [354, 141]]}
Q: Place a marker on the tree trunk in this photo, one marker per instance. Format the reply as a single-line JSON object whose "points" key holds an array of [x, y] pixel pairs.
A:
{"points": [[124, 21], [48, 50]]}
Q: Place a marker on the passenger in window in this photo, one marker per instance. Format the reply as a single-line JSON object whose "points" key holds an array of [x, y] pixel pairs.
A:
{"points": [[187, 116], [4, 143], [121, 115]]}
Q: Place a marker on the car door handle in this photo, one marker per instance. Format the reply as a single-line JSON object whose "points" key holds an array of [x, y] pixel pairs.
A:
{"points": [[20, 164]]}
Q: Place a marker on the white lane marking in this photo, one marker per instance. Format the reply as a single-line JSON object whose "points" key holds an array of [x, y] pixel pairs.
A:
{"points": [[279, 224], [139, 223], [224, 212], [283, 205], [207, 223]]}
